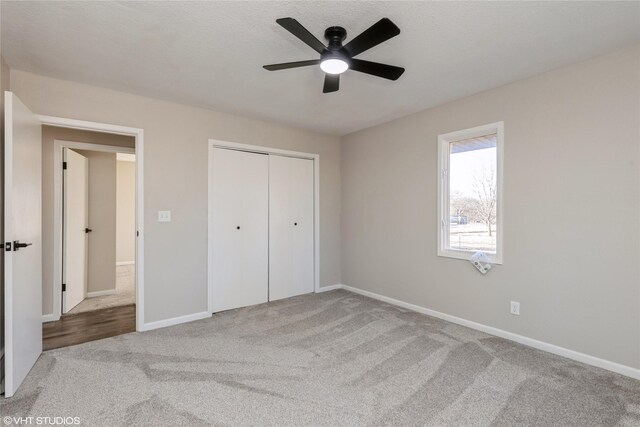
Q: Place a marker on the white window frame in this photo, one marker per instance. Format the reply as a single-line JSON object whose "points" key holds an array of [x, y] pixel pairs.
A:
{"points": [[444, 140]]}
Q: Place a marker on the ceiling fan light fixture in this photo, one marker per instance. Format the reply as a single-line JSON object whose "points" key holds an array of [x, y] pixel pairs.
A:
{"points": [[334, 66]]}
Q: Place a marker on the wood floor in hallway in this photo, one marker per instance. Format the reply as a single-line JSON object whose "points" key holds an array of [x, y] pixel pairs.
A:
{"points": [[75, 329]]}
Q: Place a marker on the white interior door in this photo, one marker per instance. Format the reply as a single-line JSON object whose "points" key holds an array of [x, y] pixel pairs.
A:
{"points": [[291, 258], [76, 223], [22, 226], [240, 197]]}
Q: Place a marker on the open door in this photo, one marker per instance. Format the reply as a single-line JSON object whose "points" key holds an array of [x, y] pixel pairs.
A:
{"points": [[22, 247], [76, 229]]}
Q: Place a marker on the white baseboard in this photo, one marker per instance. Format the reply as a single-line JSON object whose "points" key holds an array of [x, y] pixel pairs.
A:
{"points": [[100, 293], [174, 321], [49, 318], [540, 345], [125, 263], [330, 288]]}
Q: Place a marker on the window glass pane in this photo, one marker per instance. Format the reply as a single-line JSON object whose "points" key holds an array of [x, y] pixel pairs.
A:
{"points": [[473, 194]]}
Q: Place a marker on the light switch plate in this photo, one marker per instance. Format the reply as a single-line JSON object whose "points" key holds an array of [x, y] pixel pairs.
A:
{"points": [[164, 216]]}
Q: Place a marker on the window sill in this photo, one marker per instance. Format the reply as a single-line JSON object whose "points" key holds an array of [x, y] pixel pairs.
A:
{"points": [[465, 255]]}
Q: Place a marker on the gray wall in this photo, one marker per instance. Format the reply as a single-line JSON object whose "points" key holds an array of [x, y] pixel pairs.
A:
{"points": [[49, 135], [101, 265], [125, 211], [175, 178], [571, 205]]}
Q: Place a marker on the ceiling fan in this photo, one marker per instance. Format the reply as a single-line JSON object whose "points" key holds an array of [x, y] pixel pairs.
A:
{"points": [[335, 59]]}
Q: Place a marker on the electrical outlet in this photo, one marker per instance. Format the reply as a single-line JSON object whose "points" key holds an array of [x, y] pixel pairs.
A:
{"points": [[515, 308]]}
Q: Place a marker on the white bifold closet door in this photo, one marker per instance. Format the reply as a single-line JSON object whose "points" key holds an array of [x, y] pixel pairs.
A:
{"points": [[240, 221], [291, 230]]}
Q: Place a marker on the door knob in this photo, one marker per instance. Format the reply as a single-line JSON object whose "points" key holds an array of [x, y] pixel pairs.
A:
{"points": [[295, 223], [238, 227], [88, 230], [17, 245]]}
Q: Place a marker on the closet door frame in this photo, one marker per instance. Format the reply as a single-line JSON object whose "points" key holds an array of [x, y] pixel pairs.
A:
{"points": [[214, 143]]}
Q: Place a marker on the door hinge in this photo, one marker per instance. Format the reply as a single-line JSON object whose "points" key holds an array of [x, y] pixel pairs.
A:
{"points": [[64, 287], [64, 165], [444, 173]]}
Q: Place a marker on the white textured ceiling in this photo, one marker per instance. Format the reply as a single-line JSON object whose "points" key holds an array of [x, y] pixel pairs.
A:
{"points": [[210, 54]]}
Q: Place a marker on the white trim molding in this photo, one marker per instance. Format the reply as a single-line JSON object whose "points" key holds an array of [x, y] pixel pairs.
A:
{"points": [[51, 317], [62, 122], [213, 143], [330, 288], [530, 342], [138, 135], [100, 293], [176, 321], [119, 263]]}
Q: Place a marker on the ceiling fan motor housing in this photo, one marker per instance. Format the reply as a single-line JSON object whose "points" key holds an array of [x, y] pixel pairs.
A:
{"points": [[335, 36]]}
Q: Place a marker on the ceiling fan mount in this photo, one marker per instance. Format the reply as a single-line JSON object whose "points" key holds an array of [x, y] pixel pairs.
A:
{"points": [[335, 36], [335, 58]]}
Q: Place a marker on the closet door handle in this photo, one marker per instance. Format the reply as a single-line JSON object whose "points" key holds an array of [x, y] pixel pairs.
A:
{"points": [[238, 228], [295, 223], [88, 230]]}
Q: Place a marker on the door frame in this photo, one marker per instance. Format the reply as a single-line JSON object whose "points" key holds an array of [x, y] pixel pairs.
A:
{"points": [[58, 211], [138, 135], [215, 143]]}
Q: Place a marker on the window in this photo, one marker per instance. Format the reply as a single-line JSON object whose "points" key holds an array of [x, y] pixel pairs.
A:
{"points": [[470, 192]]}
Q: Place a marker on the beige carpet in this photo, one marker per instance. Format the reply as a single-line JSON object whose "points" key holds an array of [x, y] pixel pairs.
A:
{"points": [[334, 358], [125, 292]]}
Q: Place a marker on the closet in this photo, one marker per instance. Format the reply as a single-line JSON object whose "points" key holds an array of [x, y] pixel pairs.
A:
{"points": [[262, 227]]}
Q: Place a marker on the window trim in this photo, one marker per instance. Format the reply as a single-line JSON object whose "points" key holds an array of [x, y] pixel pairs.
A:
{"points": [[443, 189]]}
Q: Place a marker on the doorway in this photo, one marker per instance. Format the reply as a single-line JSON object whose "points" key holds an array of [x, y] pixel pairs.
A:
{"points": [[56, 265], [95, 220]]}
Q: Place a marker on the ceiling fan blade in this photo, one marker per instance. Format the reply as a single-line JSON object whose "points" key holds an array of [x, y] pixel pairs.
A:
{"points": [[296, 28], [385, 71], [331, 83], [286, 65], [379, 32]]}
